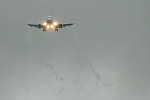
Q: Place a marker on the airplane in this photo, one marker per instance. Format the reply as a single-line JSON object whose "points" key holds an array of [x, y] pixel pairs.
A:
{"points": [[50, 24]]}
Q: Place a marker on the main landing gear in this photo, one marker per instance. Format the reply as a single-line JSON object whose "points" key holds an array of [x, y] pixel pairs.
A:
{"points": [[56, 29], [44, 30]]}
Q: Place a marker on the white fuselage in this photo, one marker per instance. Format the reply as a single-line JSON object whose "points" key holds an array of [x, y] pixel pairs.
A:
{"points": [[50, 23]]}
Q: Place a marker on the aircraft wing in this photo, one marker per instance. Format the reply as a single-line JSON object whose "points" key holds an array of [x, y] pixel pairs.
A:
{"points": [[36, 25], [64, 25], [33, 25]]}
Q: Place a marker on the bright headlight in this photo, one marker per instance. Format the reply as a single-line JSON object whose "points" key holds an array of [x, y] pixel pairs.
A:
{"points": [[44, 23], [47, 26], [55, 23], [52, 26]]}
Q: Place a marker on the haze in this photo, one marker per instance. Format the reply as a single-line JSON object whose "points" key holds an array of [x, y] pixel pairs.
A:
{"points": [[104, 56]]}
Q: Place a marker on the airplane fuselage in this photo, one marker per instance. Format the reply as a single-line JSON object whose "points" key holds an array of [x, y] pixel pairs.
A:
{"points": [[48, 21]]}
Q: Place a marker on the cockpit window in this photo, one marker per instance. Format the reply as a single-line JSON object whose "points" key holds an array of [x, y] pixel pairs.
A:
{"points": [[49, 17]]}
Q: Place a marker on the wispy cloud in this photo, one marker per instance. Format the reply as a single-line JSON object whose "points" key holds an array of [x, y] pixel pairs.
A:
{"points": [[29, 39], [96, 74]]}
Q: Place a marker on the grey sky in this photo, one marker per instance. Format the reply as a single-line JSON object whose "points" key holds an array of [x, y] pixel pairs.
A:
{"points": [[104, 56]]}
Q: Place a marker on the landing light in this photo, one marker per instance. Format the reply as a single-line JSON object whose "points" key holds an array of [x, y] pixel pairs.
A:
{"points": [[45, 23], [55, 23], [52, 26], [47, 26]]}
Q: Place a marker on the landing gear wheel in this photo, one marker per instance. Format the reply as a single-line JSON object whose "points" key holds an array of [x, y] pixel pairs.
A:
{"points": [[56, 29], [44, 30]]}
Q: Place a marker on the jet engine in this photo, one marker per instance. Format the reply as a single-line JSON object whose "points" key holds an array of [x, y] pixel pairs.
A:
{"points": [[39, 26], [60, 26]]}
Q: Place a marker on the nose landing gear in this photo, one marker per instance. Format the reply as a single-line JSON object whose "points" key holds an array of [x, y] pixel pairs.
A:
{"points": [[44, 30]]}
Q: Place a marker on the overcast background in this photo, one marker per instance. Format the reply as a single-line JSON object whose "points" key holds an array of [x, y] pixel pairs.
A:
{"points": [[104, 56]]}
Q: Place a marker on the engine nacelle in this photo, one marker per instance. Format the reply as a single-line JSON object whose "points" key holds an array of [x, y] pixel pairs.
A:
{"points": [[39, 26], [60, 26]]}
